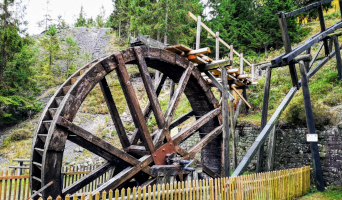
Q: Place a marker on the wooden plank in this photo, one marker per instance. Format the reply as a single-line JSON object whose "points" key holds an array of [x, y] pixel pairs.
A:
{"points": [[315, 56], [311, 128], [148, 110], [214, 65], [338, 57], [173, 104], [153, 98], [198, 32], [97, 145], [196, 52], [114, 113], [199, 123], [124, 175], [271, 150], [322, 24], [225, 171], [213, 34], [3, 178], [217, 52], [264, 115], [181, 119], [133, 103], [203, 142], [99, 171], [306, 8], [237, 92]]}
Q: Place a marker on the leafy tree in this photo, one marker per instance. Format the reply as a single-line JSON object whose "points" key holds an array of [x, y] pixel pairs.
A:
{"points": [[72, 52], [81, 20], [50, 43], [17, 86]]}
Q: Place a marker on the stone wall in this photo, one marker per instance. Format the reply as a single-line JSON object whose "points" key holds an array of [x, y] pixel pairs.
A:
{"points": [[293, 151]]}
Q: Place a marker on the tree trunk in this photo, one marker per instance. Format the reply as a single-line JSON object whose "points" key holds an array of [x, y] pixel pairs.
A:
{"points": [[165, 36]]}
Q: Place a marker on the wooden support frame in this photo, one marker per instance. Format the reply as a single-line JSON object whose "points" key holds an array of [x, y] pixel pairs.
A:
{"points": [[287, 45], [225, 121], [311, 128], [264, 115], [322, 23], [338, 57], [271, 147]]}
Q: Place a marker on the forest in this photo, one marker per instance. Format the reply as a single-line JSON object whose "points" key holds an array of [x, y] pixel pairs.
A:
{"points": [[27, 64]]}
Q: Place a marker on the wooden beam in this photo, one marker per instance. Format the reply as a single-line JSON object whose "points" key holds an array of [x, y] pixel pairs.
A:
{"points": [[214, 35], [217, 51], [173, 104], [322, 24], [79, 184], [338, 57], [243, 99], [124, 175], [225, 171], [196, 52], [97, 145], [147, 80], [181, 119], [271, 150], [315, 56], [311, 128], [264, 116], [198, 32], [147, 110], [133, 103], [203, 142], [199, 123], [114, 113], [214, 65]]}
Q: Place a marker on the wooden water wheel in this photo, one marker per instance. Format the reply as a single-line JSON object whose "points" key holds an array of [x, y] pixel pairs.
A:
{"points": [[135, 161]]}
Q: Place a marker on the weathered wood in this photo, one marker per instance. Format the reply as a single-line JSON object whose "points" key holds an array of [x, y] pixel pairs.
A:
{"points": [[147, 80], [173, 104], [214, 65], [225, 171], [306, 8], [181, 119], [338, 57], [147, 110], [306, 57], [125, 175], [200, 122], [322, 24], [133, 103], [287, 45], [244, 100], [79, 184], [241, 63], [264, 116], [97, 145], [271, 150], [311, 128], [214, 35], [196, 52], [203, 142], [198, 32], [253, 72], [114, 113], [217, 51], [315, 56], [232, 125]]}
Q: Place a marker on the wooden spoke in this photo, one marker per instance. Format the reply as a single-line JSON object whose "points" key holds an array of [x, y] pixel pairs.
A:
{"points": [[87, 179], [125, 175], [173, 105], [133, 103], [147, 110], [206, 170], [158, 113], [181, 119], [200, 122], [114, 113], [97, 145], [203, 142]]}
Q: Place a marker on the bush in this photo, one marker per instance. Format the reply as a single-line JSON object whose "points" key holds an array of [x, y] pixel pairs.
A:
{"points": [[20, 134]]}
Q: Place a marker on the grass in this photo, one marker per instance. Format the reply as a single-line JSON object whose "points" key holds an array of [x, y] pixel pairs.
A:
{"points": [[331, 193], [325, 91]]}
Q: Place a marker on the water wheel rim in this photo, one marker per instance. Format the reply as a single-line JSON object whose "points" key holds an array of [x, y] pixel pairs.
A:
{"points": [[54, 145]]}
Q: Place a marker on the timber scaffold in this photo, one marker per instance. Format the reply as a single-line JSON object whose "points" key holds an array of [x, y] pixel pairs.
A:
{"points": [[149, 158]]}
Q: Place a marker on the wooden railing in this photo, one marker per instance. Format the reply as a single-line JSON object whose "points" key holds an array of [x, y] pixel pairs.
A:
{"points": [[283, 184]]}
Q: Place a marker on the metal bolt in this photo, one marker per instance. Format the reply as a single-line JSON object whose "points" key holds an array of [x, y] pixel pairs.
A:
{"points": [[163, 149], [155, 155], [170, 144]]}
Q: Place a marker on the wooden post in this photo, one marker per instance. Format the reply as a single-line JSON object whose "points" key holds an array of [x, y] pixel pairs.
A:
{"points": [[232, 119], [338, 57], [264, 116], [119, 30], [172, 89], [253, 72], [271, 150], [225, 120], [198, 33], [244, 94], [322, 23], [217, 46], [311, 128], [241, 63], [287, 45], [307, 64], [340, 3]]}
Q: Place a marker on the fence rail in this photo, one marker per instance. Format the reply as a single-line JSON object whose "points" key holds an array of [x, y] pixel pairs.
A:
{"points": [[283, 184]]}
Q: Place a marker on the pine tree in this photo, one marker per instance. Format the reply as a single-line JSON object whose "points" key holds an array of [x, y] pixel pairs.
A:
{"points": [[81, 20], [46, 22], [100, 18], [72, 51], [50, 43], [17, 84]]}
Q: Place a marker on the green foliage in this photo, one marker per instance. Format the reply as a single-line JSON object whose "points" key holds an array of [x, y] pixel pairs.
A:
{"points": [[51, 44], [71, 53], [81, 20], [149, 18], [20, 134]]}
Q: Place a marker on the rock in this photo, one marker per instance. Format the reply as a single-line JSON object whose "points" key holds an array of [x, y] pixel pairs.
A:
{"points": [[76, 150], [80, 149]]}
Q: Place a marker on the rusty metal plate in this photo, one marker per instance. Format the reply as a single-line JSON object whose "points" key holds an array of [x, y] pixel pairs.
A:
{"points": [[159, 156]]}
